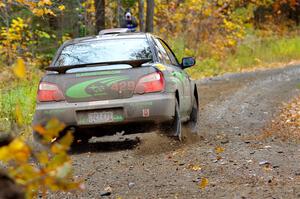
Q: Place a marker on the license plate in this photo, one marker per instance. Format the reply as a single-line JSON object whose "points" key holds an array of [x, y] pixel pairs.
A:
{"points": [[100, 117]]}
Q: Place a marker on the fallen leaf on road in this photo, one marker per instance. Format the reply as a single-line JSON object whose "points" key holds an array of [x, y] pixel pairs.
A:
{"points": [[203, 184], [219, 150], [194, 167], [219, 158], [267, 168]]}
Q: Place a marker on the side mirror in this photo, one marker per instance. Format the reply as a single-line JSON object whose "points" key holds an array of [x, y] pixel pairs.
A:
{"points": [[188, 62]]}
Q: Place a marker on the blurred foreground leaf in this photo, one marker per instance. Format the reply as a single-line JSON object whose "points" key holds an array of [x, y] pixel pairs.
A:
{"points": [[40, 170], [51, 131], [19, 115], [19, 68]]}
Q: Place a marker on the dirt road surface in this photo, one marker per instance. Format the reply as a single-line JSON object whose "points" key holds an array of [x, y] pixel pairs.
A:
{"points": [[234, 110]]}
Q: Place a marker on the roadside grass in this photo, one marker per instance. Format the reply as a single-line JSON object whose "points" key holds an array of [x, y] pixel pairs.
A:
{"points": [[13, 94], [252, 54]]}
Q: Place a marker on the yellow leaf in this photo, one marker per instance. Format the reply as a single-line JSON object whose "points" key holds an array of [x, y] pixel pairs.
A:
{"points": [[19, 115], [51, 131], [63, 144], [17, 145], [43, 157], [67, 140], [19, 68], [40, 129], [20, 150], [219, 150], [38, 12], [61, 7], [4, 154], [57, 160], [203, 184], [196, 168]]}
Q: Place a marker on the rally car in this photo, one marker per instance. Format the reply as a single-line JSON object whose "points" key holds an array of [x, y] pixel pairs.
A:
{"points": [[118, 81]]}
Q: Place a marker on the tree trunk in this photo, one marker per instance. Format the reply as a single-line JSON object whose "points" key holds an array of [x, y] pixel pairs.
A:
{"points": [[150, 15], [141, 15], [100, 14], [119, 13]]}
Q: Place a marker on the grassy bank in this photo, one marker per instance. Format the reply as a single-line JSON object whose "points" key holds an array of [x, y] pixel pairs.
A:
{"points": [[252, 54], [15, 94]]}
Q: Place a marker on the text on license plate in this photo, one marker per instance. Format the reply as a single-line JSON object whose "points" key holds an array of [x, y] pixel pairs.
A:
{"points": [[100, 117]]}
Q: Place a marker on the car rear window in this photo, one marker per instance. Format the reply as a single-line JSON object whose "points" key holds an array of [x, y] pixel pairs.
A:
{"points": [[104, 51]]}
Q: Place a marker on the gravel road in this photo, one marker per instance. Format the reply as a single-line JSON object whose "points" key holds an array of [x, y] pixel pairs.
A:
{"points": [[234, 110]]}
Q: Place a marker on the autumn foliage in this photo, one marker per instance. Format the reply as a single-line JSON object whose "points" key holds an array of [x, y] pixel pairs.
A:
{"points": [[38, 171]]}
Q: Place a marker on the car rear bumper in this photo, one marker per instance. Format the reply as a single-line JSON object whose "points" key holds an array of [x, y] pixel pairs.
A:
{"points": [[156, 107]]}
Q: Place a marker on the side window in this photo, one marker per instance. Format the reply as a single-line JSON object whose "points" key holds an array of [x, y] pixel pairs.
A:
{"points": [[170, 54], [162, 53]]}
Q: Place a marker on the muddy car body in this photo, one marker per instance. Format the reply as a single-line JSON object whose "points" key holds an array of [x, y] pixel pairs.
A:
{"points": [[117, 81]]}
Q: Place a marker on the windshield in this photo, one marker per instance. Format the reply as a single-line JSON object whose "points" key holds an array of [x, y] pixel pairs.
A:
{"points": [[104, 51]]}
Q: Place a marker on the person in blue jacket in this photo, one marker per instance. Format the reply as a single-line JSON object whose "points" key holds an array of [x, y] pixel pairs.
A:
{"points": [[129, 21]]}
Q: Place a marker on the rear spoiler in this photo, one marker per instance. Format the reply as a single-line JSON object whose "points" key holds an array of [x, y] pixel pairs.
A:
{"points": [[63, 69]]}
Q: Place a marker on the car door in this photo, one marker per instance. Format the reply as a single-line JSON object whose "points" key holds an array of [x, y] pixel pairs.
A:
{"points": [[178, 73]]}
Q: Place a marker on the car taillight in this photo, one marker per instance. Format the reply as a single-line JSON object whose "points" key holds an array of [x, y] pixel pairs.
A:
{"points": [[49, 92], [151, 83]]}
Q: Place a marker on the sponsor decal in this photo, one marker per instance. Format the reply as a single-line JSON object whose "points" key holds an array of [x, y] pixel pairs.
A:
{"points": [[94, 87], [118, 118], [146, 112], [161, 67], [175, 80], [179, 75], [97, 73], [124, 85]]}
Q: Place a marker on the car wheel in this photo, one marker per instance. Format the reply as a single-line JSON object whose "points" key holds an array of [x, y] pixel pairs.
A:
{"points": [[174, 128], [193, 123]]}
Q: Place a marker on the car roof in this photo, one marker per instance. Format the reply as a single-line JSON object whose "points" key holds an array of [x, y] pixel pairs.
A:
{"points": [[130, 35]]}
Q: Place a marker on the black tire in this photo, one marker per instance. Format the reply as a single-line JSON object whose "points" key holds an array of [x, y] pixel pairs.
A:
{"points": [[174, 128], [176, 124], [193, 123]]}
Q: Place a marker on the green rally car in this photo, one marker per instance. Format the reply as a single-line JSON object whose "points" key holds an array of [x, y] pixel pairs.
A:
{"points": [[118, 81]]}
